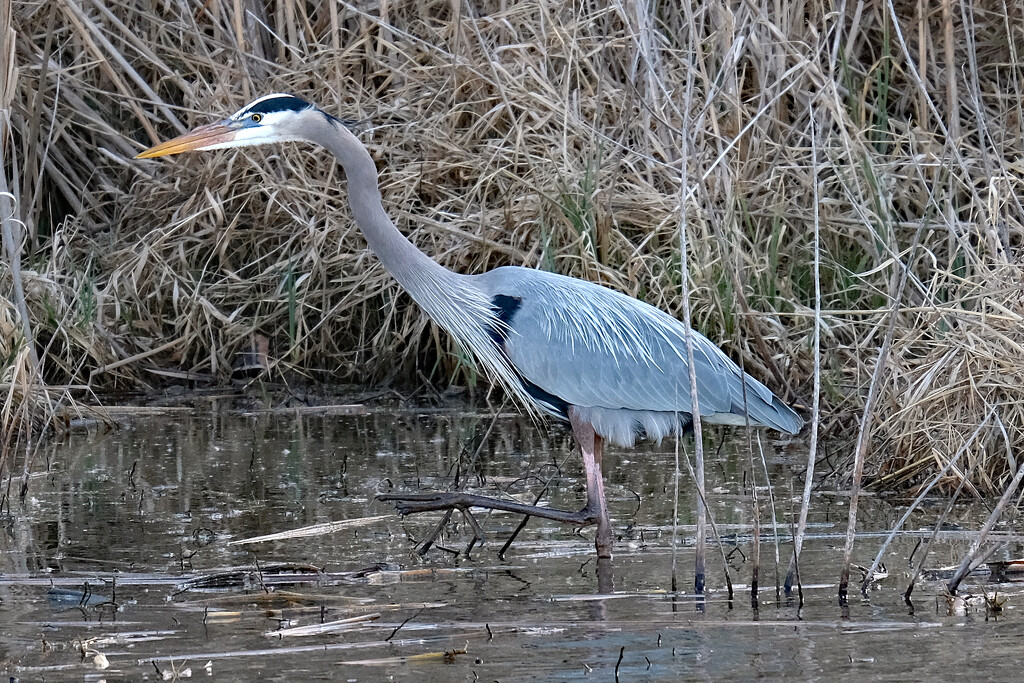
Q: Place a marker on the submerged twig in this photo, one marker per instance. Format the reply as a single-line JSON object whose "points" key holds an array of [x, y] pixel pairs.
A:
{"points": [[522, 524], [399, 627], [755, 569], [714, 531], [675, 517], [446, 656], [775, 522]]}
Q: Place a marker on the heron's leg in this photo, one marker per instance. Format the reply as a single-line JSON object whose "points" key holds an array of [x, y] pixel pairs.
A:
{"points": [[594, 512], [597, 507]]}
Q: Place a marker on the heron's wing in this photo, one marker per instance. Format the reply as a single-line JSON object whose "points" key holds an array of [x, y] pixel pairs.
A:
{"points": [[594, 347]]}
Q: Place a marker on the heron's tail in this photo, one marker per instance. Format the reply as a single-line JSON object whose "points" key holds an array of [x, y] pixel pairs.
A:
{"points": [[767, 409]]}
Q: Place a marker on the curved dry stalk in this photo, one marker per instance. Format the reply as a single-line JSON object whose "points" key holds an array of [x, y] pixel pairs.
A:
{"points": [[867, 418], [812, 451], [698, 434], [10, 225], [917, 501], [969, 563], [926, 546]]}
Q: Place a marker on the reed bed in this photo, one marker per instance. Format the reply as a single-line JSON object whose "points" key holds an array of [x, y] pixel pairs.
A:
{"points": [[552, 136]]}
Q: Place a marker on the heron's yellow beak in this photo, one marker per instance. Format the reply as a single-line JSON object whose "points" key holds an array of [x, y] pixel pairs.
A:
{"points": [[203, 137]]}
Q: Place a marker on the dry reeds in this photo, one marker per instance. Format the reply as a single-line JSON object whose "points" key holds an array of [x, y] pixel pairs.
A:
{"points": [[548, 136]]}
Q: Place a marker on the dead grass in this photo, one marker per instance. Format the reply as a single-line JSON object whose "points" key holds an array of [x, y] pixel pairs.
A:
{"points": [[543, 135]]}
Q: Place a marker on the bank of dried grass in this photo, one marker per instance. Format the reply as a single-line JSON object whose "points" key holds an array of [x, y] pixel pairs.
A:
{"points": [[550, 136]]}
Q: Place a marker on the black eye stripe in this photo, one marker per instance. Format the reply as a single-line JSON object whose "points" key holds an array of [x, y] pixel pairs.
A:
{"points": [[283, 103]]}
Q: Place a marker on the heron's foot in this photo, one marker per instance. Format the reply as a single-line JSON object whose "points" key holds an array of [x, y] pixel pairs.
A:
{"points": [[412, 503]]}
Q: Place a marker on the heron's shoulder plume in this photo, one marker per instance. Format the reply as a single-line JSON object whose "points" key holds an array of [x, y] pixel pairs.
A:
{"points": [[273, 104]]}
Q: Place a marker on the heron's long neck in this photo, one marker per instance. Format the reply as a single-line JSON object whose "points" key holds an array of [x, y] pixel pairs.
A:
{"points": [[418, 274], [452, 300]]}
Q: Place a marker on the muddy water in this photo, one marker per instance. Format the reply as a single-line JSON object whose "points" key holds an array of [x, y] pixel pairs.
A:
{"points": [[119, 563]]}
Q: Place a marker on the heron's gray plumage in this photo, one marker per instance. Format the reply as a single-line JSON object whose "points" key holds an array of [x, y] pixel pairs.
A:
{"points": [[611, 366], [622, 361], [619, 361], [556, 343]]}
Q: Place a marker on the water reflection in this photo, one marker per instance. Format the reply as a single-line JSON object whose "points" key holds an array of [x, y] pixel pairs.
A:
{"points": [[121, 548]]}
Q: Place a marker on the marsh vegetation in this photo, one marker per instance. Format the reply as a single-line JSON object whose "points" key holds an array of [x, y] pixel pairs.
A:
{"points": [[881, 143]]}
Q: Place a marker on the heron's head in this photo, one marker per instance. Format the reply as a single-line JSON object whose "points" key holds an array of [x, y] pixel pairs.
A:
{"points": [[271, 118]]}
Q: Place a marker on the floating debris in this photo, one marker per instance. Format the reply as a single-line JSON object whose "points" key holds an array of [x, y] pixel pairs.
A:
{"points": [[315, 529], [326, 627]]}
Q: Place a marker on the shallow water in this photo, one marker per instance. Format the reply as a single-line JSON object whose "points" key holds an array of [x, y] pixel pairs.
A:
{"points": [[119, 556]]}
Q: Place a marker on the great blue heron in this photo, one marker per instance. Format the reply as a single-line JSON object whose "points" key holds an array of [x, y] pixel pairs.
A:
{"points": [[611, 366]]}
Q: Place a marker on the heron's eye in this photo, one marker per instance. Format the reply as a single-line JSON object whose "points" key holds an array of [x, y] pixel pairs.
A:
{"points": [[255, 118]]}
